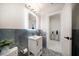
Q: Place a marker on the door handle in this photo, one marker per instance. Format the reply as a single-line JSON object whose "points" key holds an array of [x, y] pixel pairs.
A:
{"points": [[68, 38]]}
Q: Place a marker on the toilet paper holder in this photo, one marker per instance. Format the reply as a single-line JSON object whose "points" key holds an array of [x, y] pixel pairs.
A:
{"points": [[24, 50]]}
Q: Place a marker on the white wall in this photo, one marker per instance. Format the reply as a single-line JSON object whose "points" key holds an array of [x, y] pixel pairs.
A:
{"points": [[11, 15], [45, 13], [15, 16], [44, 25], [26, 22], [44, 19]]}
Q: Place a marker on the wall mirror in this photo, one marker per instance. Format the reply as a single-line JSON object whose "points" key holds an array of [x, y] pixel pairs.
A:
{"points": [[32, 21]]}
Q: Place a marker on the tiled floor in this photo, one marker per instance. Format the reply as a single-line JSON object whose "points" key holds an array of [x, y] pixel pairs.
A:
{"points": [[55, 45], [49, 52], [54, 49], [45, 52]]}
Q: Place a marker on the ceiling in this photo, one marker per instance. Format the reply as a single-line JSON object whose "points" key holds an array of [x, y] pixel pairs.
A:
{"points": [[44, 7]]}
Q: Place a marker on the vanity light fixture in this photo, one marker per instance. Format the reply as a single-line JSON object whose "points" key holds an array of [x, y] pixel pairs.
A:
{"points": [[31, 9]]}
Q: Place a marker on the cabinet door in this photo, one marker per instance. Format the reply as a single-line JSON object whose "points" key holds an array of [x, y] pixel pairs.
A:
{"points": [[32, 45], [39, 44]]}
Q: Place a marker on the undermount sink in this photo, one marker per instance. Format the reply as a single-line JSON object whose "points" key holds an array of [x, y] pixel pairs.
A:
{"points": [[35, 37]]}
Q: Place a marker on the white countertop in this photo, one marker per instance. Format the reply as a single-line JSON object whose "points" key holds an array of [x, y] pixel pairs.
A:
{"points": [[34, 37]]}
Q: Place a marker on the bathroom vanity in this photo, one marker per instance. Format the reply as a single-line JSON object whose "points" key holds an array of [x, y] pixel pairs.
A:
{"points": [[35, 45]]}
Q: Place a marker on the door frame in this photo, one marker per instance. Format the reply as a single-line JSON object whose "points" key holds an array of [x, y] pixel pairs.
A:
{"points": [[51, 14], [61, 16]]}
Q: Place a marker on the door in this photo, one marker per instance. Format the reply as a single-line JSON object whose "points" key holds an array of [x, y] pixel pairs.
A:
{"points": [[66, 29]]}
